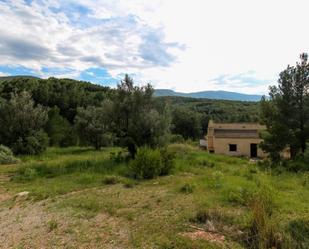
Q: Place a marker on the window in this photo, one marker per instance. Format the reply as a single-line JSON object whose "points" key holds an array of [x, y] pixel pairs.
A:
{"points": [[233, 147]]}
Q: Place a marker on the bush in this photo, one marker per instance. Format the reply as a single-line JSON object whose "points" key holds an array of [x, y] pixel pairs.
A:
{"points": [[150, 163], [31, 145], [168, 161], [6, 156], [147, 163], [110, 180]]}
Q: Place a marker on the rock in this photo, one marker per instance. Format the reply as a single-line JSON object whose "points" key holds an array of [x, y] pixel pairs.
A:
{"points": [[22, 194], [210, 226]]}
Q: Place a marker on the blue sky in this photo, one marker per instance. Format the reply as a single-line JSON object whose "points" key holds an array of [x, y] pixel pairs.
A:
{"points": [[184, 45]]}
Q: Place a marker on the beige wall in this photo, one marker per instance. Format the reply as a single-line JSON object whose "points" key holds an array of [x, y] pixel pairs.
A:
{"points": [[221, 146]]}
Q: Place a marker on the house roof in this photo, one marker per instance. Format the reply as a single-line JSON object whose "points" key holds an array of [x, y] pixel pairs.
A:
{"points": [[236, 130]]}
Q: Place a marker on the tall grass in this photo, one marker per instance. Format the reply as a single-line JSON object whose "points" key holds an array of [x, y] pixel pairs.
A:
{"points": [[33, 170]]}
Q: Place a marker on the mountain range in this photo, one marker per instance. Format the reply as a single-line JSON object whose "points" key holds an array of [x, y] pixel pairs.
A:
{"points": [[222, 95]]}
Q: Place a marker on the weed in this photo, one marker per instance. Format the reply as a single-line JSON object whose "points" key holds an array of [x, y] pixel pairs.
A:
{"points": [[52, 225], [187, 188], [216, 180], [240, 196]]}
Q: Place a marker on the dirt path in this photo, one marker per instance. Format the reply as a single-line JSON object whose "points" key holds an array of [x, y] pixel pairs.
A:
{"points": [[28, 224]]}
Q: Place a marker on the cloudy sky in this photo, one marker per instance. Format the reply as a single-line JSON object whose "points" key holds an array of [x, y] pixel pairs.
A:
{"points": [[185, 45]]}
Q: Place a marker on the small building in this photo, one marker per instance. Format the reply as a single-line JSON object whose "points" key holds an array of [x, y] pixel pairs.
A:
{"points": [[236, 139]]}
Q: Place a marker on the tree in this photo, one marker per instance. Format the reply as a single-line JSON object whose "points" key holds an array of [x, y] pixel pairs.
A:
{"points": [[186, 123], [57, 127], [286, 113], [21, 124], [94, 125], [138, 121]]}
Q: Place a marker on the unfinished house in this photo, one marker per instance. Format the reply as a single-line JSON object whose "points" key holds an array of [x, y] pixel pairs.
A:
{"points": [[237, 139]]}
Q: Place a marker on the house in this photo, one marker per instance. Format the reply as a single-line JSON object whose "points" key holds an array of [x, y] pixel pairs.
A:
{"points": [[237, 139]]}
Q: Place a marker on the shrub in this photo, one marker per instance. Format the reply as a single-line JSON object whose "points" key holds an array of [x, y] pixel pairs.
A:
{"points": [[150, 163], [110, 180], [31, 145], [168, 161], [30, 174], [147, 163], [6, 156]]}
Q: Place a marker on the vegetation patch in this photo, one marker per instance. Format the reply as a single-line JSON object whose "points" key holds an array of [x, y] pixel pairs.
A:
{"points": [[150, 163], [7, 156], [110, 180]]}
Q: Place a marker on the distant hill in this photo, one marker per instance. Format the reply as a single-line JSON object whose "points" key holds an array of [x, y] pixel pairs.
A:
{"points": [[220, 95], [223, 95], [4, 78]]}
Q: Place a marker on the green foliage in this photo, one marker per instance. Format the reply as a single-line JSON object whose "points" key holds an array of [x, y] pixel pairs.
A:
{"points": [[186, 123], [263, 233], [6, 156], [58, 129], [110, 180], [240, 196], [147, 163], [66, 94], [94, 125], [299, 230], [150, 163], [24, 121], [138, 121], [217, 110], [176, 138], [168, 161], [216, 179], [31, 171], [157, 208], [286, 113], [52, 225], [36, 143]]}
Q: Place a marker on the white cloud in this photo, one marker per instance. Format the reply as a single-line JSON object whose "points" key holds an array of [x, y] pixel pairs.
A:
{"points": [[221, 37], [2, 74]]}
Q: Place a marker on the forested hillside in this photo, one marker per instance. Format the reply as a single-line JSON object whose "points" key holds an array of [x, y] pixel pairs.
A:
{"points": [[63, 97]]}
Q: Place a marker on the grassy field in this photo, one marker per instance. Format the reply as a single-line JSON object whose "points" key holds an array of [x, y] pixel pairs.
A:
{"points": [[81, 198]]}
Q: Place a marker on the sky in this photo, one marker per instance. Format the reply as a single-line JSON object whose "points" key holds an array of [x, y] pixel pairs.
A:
{"points": [[184, 45]]}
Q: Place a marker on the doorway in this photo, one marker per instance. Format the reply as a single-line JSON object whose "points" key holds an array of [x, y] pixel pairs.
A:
{"points": [[253, 150]]}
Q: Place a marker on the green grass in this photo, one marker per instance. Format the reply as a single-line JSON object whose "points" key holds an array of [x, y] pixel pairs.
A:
{"points": [[82, 185]]}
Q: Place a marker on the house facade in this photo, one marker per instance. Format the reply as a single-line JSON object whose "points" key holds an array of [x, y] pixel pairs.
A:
{"points": [[236, 139]]}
